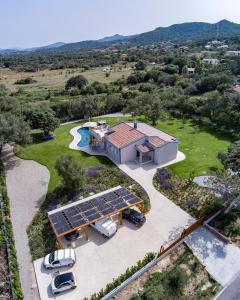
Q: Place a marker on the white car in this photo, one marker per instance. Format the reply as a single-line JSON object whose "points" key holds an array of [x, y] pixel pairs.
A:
{"points": [[107, 227], [60, 258], [63, 282]]}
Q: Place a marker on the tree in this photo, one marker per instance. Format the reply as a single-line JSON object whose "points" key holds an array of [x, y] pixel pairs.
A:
{"points": [[14, 129], [72, 173], [140, 65], [41, 118], [76, 81], [148, 105], [231, 158]]}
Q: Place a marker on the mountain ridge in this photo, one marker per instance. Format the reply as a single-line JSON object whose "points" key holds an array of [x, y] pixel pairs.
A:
{"points": [[178, 33]]}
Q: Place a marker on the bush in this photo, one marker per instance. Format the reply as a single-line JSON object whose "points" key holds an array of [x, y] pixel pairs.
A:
{"points": [[163, 178], [233, 229], [27, 80]]}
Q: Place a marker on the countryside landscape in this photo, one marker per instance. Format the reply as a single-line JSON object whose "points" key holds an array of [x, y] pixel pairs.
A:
{"points": [[120, 155]]}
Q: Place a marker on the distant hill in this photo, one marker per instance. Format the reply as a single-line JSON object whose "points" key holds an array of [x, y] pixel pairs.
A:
{"points": [[113, 38], [12, 51], [188, 31], [176, 33]]}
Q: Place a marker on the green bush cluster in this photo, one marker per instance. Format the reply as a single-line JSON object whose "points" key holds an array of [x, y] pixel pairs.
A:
{"points": [[129, 272], [14, 266]]}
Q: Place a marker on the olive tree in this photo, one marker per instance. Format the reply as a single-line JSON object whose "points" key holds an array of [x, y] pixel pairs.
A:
{"points": [[72, 173]]}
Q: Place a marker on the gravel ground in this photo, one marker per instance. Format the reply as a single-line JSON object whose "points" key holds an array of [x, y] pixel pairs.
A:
{"points": [[27, 183]]}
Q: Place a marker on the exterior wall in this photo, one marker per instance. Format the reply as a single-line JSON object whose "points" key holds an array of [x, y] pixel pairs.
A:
{"points": [[129, 153], [166, 153], [113, 152]]}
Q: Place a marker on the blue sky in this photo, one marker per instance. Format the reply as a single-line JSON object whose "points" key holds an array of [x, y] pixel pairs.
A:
{"points": [[29, 23]]}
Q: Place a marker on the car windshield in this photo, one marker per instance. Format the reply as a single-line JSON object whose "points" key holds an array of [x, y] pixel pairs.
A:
{"points": [[51, 258], [62, 279]]}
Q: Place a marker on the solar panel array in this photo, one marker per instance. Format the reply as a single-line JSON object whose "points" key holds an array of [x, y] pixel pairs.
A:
{"points": [[91, 210]]}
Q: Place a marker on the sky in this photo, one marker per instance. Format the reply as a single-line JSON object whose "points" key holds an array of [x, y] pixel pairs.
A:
{"points": [[31, 23]]}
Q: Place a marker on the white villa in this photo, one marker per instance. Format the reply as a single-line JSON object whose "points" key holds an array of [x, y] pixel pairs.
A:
{"points": [[134, 141]]}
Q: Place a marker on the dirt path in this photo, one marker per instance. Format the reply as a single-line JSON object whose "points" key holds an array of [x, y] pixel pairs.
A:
{"points": [[27, 183]]}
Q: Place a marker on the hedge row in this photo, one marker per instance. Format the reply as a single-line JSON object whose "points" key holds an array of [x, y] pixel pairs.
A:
{"points": [[14, 264], [119, 280]]}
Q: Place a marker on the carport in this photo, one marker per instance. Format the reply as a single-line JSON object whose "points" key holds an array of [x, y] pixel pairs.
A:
{"points": [[80, 214]]}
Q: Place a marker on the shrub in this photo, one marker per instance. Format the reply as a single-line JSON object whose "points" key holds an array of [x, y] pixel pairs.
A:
{"points": [[233, 229], [27, 80]]}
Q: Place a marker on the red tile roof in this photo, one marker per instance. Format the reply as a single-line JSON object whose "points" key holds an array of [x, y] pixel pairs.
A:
{"points": [[144, 148], [123, 135], [156, 141]]}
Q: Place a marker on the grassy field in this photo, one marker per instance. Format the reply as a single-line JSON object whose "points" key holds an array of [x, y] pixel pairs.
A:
{"points": [[53, 79], [46, 153], [200, 145]]}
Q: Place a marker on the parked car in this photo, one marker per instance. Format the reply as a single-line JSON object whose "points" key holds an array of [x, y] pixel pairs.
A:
{"points": [[72, 236], [107, 227], [63, 282], [134, 216], [49, 136], [60, 258]]}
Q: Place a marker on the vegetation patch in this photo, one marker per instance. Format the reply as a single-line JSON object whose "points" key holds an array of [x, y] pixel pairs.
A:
{"points": [[196, 200], [185, 278], [229, 225]]}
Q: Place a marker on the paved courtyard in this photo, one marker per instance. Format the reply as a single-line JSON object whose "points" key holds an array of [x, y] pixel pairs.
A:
{"points": [[222, 260]]}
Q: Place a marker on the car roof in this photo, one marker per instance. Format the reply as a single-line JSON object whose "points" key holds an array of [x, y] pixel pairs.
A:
{"points": [[65, 277], [64, 254]]}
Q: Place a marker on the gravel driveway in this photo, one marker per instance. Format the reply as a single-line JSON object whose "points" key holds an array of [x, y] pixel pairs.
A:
{"points": [[27, 183]]}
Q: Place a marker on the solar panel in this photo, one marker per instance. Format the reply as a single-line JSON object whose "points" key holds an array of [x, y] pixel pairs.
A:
{"points": [[82, 213], [94, 217], [134, 200], [90, 212]]}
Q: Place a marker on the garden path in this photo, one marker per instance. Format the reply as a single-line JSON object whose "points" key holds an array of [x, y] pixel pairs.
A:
{"points": [[27, 184]]}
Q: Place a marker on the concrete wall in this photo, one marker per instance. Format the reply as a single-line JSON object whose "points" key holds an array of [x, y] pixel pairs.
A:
{"points": [[166, 153], [129, 153]]}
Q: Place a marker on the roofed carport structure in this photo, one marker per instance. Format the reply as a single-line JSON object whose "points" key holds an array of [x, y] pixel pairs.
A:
{"points": [[80, 214]]}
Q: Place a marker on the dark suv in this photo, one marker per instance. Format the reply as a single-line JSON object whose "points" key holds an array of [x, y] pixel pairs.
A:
{"points": [[72, 236], [134, 216]]}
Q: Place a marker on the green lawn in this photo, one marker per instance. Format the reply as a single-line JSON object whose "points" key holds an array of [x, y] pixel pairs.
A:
{"points": [[46, 153], [200, 145]]}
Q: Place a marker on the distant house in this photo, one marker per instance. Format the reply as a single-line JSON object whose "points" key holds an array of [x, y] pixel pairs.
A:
{"points": [[106, 69], [223, 47], [235, 89], [134, 141], [233, 53], [211, 61], [191, 71]]}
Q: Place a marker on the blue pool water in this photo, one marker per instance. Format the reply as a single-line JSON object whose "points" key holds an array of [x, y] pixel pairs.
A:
{"points": [[85, 136]]}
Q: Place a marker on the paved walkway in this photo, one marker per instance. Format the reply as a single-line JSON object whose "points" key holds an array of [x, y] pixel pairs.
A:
{"points": [[222, 260], [27, 183]]}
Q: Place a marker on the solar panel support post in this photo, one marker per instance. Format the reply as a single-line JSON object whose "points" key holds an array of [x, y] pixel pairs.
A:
{"points": [[85, 233], [121, 218]]}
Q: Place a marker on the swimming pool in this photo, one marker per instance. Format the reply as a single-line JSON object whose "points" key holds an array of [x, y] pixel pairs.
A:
{"points": [[85, 136]]}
